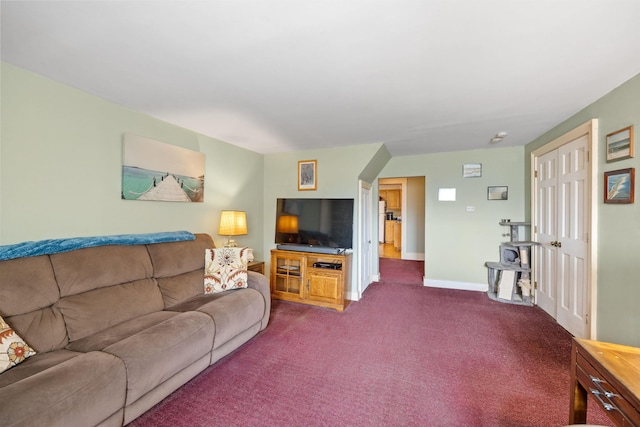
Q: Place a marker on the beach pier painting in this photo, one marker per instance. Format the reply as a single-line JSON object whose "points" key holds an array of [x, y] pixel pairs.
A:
{"points": [[153, 170]]}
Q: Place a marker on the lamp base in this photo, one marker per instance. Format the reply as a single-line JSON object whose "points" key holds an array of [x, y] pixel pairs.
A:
{"points": [[231, 243]]}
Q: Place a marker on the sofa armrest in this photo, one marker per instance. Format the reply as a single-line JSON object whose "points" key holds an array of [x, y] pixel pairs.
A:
{"points": [[260, 283]]}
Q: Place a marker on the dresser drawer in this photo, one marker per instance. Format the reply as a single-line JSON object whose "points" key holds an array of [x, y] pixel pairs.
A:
{"points": [[609, 398]]}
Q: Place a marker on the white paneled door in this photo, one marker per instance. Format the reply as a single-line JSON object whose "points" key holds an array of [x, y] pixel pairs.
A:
{"points": [[546, 231], [561, 228]]}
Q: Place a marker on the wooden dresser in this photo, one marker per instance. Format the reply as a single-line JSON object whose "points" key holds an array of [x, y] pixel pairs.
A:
{"points": [[611, 374]]}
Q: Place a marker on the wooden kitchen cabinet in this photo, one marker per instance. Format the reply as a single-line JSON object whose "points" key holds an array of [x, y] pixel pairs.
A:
{"points": [[397, 235], [393, 198], [389, 227]]}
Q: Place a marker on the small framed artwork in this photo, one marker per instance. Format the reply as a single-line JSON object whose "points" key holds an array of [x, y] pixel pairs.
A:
{"points": [[307, 175], [620, 144], [498, 192], [472, 170], [619, 186]]}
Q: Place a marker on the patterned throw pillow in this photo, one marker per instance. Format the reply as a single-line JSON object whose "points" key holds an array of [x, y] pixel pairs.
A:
{"points": [[13, 349], [225, 269]]}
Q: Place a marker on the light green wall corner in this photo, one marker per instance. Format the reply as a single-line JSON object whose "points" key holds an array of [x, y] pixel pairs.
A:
{"points": [[338, 171], [459, 242], [618, 315], [375, 165], [60, 168]]}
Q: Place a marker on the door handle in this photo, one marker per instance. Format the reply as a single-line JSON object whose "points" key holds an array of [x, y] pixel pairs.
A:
{"points": [[556, 244]]}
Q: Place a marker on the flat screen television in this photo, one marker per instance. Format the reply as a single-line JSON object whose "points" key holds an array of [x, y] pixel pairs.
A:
{"points": [[315, 223]]}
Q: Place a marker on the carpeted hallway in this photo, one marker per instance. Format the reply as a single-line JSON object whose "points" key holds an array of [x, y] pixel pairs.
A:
{"points": [[401, 356], [401, 271]]}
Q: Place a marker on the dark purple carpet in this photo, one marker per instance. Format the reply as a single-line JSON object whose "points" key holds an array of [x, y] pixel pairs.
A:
{"points": [[401, 271], [401, 356]]}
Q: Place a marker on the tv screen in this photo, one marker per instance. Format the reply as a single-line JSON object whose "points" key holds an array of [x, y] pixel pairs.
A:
{"points": [[315, 222]]}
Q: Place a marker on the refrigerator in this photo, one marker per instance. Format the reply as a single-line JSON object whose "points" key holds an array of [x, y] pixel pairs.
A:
{"points": [[382, 216]]}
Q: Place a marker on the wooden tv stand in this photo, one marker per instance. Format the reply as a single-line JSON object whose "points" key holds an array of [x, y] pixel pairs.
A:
{"points": [[295, 278], [611, 374]]}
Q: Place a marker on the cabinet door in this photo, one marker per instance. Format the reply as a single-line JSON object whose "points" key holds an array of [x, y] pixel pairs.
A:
{"points": [[388, 231], [393, 199], [324, 286], [397, 236], [287, 275]]}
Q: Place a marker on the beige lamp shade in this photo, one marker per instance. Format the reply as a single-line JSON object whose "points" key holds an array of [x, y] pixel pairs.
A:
{"points": [[288, 224], [232, 223]]}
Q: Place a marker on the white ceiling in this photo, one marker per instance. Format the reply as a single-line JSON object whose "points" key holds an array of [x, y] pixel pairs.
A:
{"points": [[274, 76]]}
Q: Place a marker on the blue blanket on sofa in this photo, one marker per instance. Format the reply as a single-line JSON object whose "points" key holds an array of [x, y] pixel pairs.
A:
{"points": [[54, 246]]}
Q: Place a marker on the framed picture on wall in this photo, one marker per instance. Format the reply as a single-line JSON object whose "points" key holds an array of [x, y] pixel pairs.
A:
{"points": [[619, 186], [472, 170], [620, 144], [307, 175], [498, 192], [154, 170]]}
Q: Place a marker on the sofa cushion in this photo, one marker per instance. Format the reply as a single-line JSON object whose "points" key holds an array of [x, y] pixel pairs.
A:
{"points": [[225, 269], [27, 284], [34, 365], [260, 283], [176, 289], [105, 338], [92, 268], [75, 389], [172, 259], [94, 311], [13, 349], [28, 288], [157, 353], [233, 312], [44, 328]]}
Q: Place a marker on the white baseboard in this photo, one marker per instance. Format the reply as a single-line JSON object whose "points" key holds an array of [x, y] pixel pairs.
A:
{"points": [[447, 284], [414, 256], [353, 296], [463, 286]]}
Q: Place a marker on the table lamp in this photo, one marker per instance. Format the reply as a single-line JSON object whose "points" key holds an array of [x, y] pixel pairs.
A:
{"points": [[232, 223]]}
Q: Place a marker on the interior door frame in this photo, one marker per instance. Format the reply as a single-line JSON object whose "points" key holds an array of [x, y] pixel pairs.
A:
{"points": [[365, 221], [590, 129]]}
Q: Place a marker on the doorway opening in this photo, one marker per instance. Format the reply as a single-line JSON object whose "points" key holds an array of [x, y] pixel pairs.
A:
{"points": [[391, 192], [401, 219]]}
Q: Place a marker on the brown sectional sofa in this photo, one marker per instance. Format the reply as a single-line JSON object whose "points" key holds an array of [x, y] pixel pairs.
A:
{"points": [[117, 329]]}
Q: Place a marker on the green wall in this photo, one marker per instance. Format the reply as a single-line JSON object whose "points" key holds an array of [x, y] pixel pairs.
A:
{"points": [[375, 165], [414, 240], [618, 304], [338, 172], [60, 168], [458, 242]]}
